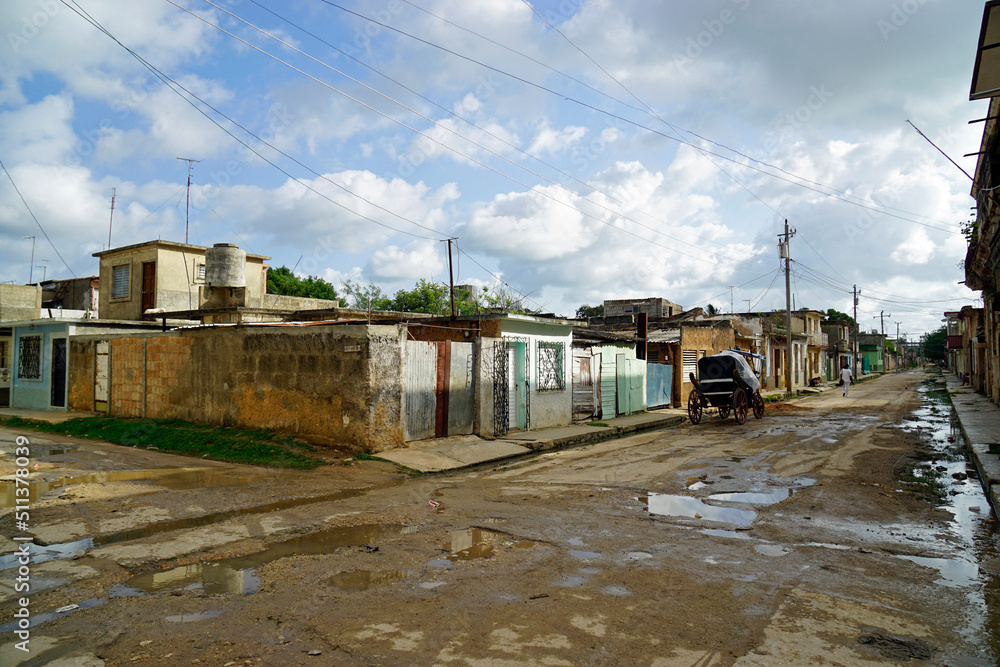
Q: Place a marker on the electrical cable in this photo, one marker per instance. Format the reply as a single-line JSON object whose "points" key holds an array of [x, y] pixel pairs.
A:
{"points": [[33, 217], [171, 83]]}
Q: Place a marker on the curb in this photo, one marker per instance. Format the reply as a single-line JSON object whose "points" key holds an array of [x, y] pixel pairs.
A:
{"points": [[609, 433], [987, 463]]}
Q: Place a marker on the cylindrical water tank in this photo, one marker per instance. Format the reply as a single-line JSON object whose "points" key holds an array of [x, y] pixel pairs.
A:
{"points": [[225, 266]]}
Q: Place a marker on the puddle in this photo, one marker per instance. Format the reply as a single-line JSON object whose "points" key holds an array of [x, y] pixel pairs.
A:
{"points": [[616, 591], [718, 532], [39, 619], [362, 580], [584, 555], [431, 585], [954, 573], [196, 616], [39, 451], [237, 575], [771, 498], [770, 549], [473, 543], [693, 508], [42, 552], [177, 479]]}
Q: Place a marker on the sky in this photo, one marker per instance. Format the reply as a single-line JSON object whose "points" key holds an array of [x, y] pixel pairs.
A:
{"points": [[577, 150]]}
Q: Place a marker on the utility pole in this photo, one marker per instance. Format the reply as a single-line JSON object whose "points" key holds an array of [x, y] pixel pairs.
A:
{"points": [[784, 252], [856, 332], [885, 353], [112, 218], [749, 301], [31, 264], [897, 347], [732, 306], [187, 207], [451, 281]]}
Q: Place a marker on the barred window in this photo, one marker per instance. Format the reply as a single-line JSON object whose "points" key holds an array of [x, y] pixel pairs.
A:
{"points": [[119, 281], [551, 367], [201, 272], [29, 358]]}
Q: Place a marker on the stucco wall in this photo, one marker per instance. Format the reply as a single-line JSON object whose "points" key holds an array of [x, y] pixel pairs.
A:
{"points": [[712, 340], [19, 302], [331, 385]]}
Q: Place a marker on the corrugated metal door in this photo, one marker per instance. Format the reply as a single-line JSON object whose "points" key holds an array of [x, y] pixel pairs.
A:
{"points": [[609, 390], [636, 385], [461, 392], [584, 386], [421, 389], [102, 368]]}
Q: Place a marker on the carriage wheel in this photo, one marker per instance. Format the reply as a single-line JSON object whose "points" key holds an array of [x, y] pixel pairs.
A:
{"points": [[694, 407], [740, 406], [724, 411], [758, 405]]}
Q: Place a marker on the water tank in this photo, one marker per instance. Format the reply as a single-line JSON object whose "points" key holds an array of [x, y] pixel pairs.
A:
{"points": [[225, 266]]}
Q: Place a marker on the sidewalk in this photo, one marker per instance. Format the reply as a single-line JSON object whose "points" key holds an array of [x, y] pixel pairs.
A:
{"points": [[52, 417], [980, 422], [441, 454]]}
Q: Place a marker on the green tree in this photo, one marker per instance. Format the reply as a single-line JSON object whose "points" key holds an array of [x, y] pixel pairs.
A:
{"points": [[836, 315], [585, 311], [365, 297], [936, 345], [712, 310], [283, 281]]}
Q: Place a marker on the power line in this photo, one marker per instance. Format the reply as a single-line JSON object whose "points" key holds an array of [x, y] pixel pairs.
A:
{"points": [[32, 214], [860, 203], [171, 83]]}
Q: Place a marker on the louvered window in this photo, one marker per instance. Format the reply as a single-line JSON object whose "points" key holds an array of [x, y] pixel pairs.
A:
{"points": [[690, 364], [119, 281]]}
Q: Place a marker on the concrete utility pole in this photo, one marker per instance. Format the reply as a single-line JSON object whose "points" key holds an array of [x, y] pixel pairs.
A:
{"points": [[885, 353], [451, 281], [783, 251], [732, 304], [856, 332]]}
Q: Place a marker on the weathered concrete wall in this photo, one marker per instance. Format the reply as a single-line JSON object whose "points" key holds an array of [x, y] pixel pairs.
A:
{"points": [[281, 302], [336, 385], [711, 340], [20, 302]]}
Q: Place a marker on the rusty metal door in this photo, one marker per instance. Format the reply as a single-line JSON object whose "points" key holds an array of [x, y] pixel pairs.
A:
{"points": [[102, 376]]}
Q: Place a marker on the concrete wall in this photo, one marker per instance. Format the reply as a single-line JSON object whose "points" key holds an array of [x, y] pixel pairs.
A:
{"points": [[335, 385], [711, 340], [281, 302], [20, 302], [549, 407]]}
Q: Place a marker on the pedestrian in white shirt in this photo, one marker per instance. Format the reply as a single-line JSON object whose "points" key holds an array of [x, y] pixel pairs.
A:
{"points": [[847, 377]]}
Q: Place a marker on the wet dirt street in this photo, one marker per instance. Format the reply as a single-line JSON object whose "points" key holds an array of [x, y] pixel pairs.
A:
{"points": [[831, 532]]}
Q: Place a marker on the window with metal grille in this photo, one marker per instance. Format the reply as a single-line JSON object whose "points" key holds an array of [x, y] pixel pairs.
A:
{"points": [[119, 281], [551, 367], [690, 358], [29, 358], [201, 272]]}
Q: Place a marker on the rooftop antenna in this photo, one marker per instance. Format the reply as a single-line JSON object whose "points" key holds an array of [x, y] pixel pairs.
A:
{"points": [[112, 218], [187, 207]]}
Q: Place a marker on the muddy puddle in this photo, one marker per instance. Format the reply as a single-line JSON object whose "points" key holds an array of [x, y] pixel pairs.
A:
{"points": [[362, 580], [238, 575], [473, 543], [685, 507], [961, 558], [38, 451], [176, 479]]}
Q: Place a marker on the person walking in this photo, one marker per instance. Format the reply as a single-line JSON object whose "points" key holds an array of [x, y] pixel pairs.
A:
{"points": [[847, 378]]}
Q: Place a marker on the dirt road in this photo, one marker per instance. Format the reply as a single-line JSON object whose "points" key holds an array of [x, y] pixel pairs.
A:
{"points": [[831, 532]]}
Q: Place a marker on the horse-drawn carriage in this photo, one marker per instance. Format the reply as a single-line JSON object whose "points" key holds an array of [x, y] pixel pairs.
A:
{"points": [[726, 381]]}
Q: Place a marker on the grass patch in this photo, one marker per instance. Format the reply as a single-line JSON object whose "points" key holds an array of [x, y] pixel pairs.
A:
{"points": [[221, 443], [598, 424]]}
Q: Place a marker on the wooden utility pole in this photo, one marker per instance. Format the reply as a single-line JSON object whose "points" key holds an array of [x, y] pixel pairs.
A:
{"points": [[785, 253]]}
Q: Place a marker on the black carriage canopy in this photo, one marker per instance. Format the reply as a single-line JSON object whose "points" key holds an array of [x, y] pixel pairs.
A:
{"points": [[723, 364]]}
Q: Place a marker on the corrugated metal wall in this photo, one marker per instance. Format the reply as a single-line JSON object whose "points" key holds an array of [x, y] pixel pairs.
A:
{"points": [[421, 383]]}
